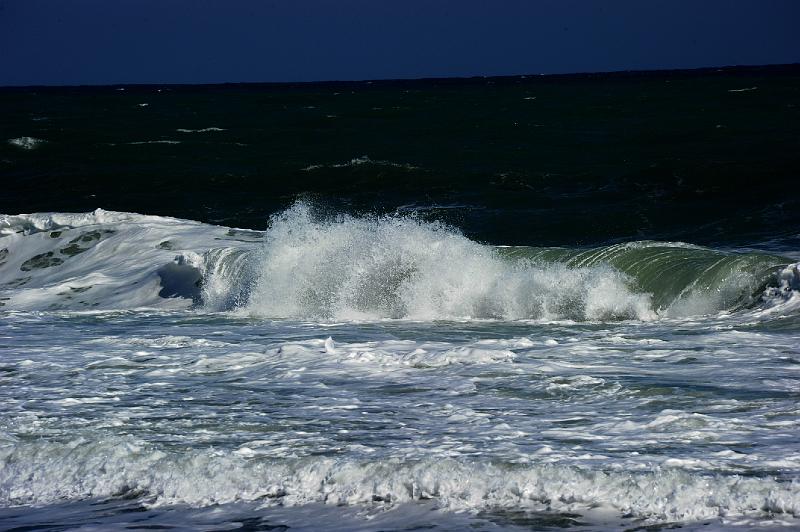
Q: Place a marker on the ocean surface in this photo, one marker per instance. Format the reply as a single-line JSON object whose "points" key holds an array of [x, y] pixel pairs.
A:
{"points": [[524, 303]]}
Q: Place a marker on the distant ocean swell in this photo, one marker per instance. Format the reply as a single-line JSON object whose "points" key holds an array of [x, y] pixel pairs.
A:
{"points": [[343, 267]]}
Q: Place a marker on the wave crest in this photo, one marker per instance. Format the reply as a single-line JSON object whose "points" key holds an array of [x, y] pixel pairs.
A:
{"points": [[42, 473], [400, 267], [346, 268]]}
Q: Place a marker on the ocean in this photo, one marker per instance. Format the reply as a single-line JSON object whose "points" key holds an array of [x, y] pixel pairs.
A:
{"points": [[519, 303]]}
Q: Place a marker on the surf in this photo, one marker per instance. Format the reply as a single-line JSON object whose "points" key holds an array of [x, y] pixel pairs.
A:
{"points": [[129, 468], [313, 264]]}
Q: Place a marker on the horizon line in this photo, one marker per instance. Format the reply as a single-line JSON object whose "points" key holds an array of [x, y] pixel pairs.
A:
{"points": [[787, 66]]}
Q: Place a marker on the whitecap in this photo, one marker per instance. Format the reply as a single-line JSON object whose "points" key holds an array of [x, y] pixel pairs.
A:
{"points": [[399, 267], [26, 143], [364, 160], [203, 130], [40, 472]]}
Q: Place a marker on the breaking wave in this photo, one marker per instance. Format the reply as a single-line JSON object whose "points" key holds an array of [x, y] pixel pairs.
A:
{"points": [[313, 266], [400, 267], [47, 472]]}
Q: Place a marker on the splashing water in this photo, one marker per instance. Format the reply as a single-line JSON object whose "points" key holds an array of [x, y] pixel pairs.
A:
{"points": [[400, 267]]}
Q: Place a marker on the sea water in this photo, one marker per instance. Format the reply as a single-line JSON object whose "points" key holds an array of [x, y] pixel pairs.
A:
{"points": [[385, 371], [523, 352]]}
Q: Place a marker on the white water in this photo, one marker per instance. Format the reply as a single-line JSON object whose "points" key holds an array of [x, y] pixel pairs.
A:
{"points": [[361, 161], [402, 268], [336, 269], [278, 390], [108, 260], [204, 478], [26, 143]]}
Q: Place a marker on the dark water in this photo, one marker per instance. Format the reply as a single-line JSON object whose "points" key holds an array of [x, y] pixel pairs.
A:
{"points": [[352, 363], [572, 160]]}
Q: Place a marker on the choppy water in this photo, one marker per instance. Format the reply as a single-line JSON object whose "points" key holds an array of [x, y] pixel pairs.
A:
{"points": [[559, 353], [392, 371]]}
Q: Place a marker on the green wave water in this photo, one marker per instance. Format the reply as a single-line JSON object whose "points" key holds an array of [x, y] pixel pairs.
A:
{"points": [[676, 275]]}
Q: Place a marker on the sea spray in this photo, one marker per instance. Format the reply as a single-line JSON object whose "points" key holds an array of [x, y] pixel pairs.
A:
{"points": [[401, 267]]}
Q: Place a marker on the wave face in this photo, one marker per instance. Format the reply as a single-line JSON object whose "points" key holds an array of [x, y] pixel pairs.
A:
{"points": [[683, 279], [317, 266]]}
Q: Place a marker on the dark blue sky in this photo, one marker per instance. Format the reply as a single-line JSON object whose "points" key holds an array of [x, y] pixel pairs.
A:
{"points": [[199, 41]]}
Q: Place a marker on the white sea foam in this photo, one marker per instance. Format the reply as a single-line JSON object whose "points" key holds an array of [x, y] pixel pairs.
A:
{"points": [[42, 473], [341, 268], [688, 421], [105, 260], [26, 143], [203, 130], [364, 160], [402, 268]]}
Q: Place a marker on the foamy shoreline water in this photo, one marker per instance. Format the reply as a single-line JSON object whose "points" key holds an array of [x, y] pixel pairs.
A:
{"points": [[386, 372]]}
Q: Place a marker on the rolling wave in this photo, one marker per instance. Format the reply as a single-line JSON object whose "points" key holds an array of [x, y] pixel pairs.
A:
{"points": [[342, 268], [45, 472]]}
